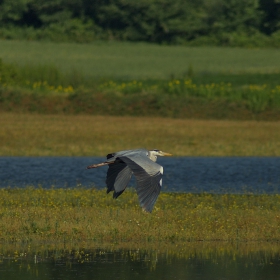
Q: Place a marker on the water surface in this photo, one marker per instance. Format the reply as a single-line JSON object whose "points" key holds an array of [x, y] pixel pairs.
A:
{"points": [[182, 174], [191, 263]]}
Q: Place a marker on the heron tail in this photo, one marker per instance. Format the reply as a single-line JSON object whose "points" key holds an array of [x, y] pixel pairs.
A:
{"points": [[98, 165]]}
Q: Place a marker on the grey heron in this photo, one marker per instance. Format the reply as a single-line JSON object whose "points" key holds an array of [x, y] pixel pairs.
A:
{"points": [[141, 163]]}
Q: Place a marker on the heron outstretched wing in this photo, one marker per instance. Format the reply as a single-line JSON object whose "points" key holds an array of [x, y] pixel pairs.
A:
{"points": [[148, 176], [113, 156], [141, 163], [118, 177], [119, 174]]}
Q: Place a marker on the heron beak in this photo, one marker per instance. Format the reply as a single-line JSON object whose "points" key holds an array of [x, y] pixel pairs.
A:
{"points": [[166, 154]]}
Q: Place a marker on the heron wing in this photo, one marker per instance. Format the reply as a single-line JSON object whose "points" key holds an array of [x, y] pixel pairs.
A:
{"points": [[118, 177], [148, 176], [113, 156]]}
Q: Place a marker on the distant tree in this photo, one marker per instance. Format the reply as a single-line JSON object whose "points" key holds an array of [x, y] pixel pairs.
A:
{"points": [[160, 21], [232, 15], [271, 20], [12, 11], [149, 20]]}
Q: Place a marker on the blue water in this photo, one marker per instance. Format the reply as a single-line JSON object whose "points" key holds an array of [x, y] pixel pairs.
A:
{"points": [[181, 174]]}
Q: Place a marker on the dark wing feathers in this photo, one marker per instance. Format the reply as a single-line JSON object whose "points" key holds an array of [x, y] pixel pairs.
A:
{"points": [[118, 177], [110, 155], [148, 175], [148, 191]]}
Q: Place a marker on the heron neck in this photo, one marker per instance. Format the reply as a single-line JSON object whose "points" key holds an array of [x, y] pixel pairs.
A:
{"points": [[152, 157]]}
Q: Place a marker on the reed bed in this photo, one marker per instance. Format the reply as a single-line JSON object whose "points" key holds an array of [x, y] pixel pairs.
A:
{"points": [[36, 214], [66, 135]]}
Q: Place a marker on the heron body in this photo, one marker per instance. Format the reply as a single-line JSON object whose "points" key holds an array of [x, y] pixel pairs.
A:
{"points": [[142, 164]]}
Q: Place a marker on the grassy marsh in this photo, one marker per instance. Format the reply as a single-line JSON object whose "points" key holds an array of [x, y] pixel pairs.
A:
{"points": [[68, 135], [88, 214]]}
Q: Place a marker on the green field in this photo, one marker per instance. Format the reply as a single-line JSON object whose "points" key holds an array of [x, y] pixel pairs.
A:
{"points": [[139, 60]]}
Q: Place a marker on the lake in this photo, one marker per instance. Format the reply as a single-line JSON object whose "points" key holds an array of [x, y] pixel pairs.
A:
{"points": [[181, 174], [192, 261]]}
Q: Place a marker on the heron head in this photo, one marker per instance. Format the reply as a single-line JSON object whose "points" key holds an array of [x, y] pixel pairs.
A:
{"points": [[153, 154]]}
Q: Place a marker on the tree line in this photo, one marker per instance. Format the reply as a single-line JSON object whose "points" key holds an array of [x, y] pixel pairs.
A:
{"points": [[199, 22]]}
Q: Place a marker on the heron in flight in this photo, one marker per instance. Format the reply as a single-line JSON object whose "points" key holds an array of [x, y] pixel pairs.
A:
{"points": [[141, 163]]}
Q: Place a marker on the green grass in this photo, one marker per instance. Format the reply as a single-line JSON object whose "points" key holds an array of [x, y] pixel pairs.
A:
{"points": [[41, 215], [139, 60]]}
